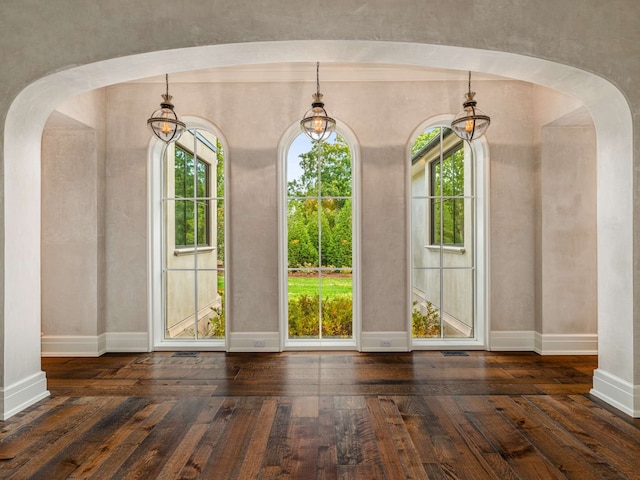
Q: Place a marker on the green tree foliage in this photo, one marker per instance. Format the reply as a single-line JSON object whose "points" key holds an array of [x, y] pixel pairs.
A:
{"points": [[301, 250], [304, 311], [339, 251], [334, 174], [326, 167], [423, 139], [186, 193], [220, 203], [448, 181]]}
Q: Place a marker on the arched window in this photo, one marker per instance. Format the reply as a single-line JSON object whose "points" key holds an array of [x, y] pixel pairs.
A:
{"points": [[447, 254], [191, 250], [319, 243]]}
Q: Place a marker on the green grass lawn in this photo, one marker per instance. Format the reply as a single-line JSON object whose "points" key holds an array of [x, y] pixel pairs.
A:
{"points": [[331, 286]]}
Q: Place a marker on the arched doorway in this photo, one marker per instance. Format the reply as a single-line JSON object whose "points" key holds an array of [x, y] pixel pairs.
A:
{"points": [[23, 381]]}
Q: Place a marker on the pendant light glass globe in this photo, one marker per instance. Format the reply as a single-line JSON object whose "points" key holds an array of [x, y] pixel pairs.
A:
{"points": [[164, 122], [471, 122], [316, 124]]}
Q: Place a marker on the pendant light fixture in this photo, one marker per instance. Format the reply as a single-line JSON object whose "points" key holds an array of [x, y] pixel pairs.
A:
{"points": [[471, 122], [164, 122], [316, 124]]}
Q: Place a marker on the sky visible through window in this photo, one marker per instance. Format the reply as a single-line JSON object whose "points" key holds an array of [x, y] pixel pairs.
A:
{"points": [[301, 144]]}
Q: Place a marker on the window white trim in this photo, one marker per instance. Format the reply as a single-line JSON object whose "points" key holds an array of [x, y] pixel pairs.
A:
{"points": [[480, 155], [283, 148], [155, 298]]}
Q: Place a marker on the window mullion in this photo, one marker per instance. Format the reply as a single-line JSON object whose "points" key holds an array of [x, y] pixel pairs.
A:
{"points": [[319, 146]]}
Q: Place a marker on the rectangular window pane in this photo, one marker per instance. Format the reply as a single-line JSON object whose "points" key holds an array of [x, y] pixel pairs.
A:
{"points": [[180, 304], [203, 179], [436, 222], [219, 231], [336, 233], [335, 169], [183, 171], [202, 220], [452, 226], [425, 314], [421, 235], [184, 223], [337, 305], [211, 314], [302, 230], [304, 304], [457, 303]]}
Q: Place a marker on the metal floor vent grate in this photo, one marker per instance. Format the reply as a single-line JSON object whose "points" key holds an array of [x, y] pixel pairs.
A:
{"points": [[185, 354], [455, 353]]}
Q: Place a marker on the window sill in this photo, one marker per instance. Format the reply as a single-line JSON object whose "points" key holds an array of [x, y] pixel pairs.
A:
{"points": [[446, 249], [179, 252]]}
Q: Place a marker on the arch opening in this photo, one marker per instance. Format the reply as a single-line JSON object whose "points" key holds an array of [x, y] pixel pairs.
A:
{"points": [[23, 382]]}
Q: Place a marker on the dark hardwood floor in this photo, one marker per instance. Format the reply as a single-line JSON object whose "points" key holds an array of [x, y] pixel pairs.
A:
{"points": [[320, 415]]}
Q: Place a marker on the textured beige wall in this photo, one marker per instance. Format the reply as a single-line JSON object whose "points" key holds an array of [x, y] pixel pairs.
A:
{"points": [[253, 279], [236, 109], [70, 270], [568, 238]]}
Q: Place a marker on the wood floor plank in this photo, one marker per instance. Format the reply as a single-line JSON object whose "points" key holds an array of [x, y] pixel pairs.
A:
{"points": [[126, 448], [327, 467], [436, 440], [521, 455], [474, 439], [103, 452], [549, 439], [402, 440], [615, 448], [200, 456], [49, 458], [390, 460], [196, 432], [252, 463], [160, 443], [96, 442], [303, 462], [226, 456]]}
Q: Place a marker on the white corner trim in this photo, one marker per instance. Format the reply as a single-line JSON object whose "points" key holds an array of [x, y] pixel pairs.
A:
{"points": [[384, 342], [254, 342], [22, 394], [73, 345], [616, 392], [566, 344], [127, 342], [512, 341]]}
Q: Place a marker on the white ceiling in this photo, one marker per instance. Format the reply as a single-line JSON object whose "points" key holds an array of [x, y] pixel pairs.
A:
{"points": [[329, 72]]}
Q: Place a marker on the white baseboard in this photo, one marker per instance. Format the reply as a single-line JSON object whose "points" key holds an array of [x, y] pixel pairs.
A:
{"points": [[127, 342], [22, 394], [384, 342], [254, 342], [516, 341], [578, 344], [93, 345], [616, 392], [544, 344], [73, 345]]}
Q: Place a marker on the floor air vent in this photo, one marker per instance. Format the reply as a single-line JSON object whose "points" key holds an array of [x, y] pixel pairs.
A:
{"points": [[455, 353], [185, 354]]}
